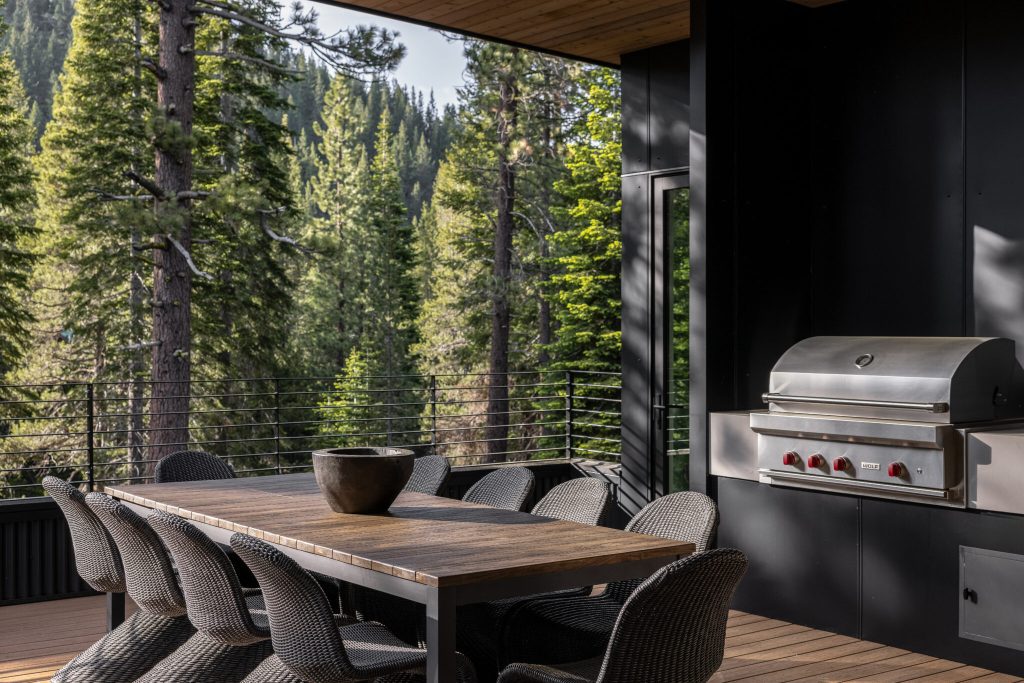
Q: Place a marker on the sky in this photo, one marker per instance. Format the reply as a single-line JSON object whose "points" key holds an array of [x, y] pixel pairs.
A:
{"points": [[431, 62]]}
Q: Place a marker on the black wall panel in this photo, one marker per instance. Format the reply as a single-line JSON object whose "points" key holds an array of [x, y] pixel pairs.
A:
{"points": [[669, 112], [887, 169], [634, 491], [857, 169], [655, 138], [911, 578], [994, 88], [636, 135], [803, 549]]}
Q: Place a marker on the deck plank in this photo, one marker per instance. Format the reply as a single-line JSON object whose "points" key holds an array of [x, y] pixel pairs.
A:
{"points": [[36, 640]]}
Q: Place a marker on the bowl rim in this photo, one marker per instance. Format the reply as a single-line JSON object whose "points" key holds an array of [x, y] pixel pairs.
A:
{"points": [[367, 452]]}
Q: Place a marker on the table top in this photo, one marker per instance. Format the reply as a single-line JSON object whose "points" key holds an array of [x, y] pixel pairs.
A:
{"points": [[434, 541]]}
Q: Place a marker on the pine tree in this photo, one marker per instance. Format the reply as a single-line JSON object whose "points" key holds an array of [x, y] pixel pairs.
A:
{"points": [[88, 241], [38, 42], [391, 301], [588, 248], [351, 407], [16, 225], [503, 159], [327, 324]]}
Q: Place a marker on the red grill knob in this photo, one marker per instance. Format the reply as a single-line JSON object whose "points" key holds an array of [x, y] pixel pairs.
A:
{"points": [[790, 458], [840, 464], [816, 460], [895, 469]]}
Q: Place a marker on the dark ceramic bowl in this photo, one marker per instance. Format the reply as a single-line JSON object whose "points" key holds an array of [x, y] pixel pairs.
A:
{"points": [[362, 481]]}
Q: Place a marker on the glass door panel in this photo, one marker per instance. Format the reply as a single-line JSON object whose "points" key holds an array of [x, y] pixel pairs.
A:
{"points": [[670, 352]]}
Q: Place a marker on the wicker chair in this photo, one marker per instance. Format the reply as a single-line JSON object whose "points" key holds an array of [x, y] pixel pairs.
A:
{"points": [[191, 466], [429, 474], [307, 639], [584, 501], [234, 635], [506, 488], [96, 557], [566, 629], [670, 630], [157, 628]]}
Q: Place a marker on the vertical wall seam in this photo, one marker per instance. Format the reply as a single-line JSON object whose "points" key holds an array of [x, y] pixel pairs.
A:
{"points": [[967, 246]]}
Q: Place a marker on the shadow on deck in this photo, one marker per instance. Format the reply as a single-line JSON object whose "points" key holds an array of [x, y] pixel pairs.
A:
{"points": [[37, 639]]}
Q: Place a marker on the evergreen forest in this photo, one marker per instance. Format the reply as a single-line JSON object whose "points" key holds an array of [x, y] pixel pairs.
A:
{"points": [[207, 206]]}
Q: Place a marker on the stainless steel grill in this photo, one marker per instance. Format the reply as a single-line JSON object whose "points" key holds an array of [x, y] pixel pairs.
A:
{"points": [[884, 416]]}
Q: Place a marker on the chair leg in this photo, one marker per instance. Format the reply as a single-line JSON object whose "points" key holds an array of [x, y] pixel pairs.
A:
{"points": [[115, 610]]}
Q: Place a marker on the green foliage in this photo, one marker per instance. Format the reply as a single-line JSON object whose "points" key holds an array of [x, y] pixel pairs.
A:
{"points": [[38, 44], [587, 250], [16, 225], [352, 407], [99, 130], [465, 209]]}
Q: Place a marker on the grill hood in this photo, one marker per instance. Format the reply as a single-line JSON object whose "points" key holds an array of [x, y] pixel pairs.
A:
{"points": [[924, 379]]}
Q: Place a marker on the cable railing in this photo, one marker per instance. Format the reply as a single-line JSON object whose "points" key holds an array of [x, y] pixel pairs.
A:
{"points": [[96, 433]]}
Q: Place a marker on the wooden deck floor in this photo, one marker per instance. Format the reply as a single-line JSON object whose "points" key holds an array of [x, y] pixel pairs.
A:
{"points": [[35, 640]]}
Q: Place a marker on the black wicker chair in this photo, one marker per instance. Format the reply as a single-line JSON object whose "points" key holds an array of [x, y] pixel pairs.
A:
{"points": [[191, 466], [584, 501], [234, 635], [566, 629], [157, 628], [671, 629], [506, 488], [96, 557], [429, 473], [307, 639]]}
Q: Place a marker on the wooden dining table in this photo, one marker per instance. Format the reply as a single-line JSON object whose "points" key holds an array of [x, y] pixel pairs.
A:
{"points": [[436, 551]]}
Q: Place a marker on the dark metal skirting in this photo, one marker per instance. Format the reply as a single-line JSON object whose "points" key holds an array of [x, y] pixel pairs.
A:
{"points": [[36, 558]]}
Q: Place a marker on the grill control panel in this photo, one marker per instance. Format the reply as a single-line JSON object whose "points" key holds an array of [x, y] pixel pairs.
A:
{"points": [[919, 467]]}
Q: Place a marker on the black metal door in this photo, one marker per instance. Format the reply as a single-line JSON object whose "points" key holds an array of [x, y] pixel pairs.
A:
{"points": [[670, 288]]}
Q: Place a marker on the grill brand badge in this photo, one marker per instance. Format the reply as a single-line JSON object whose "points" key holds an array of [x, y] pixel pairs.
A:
{"points": [[870, 466]]}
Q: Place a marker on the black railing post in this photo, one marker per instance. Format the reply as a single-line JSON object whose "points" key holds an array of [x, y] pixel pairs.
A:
{"points": [[433, 414], [90, 435], [277, 423], [570, 394]]}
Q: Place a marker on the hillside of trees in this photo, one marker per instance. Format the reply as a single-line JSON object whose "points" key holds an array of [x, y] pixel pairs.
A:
{"points": [[260, 200]]}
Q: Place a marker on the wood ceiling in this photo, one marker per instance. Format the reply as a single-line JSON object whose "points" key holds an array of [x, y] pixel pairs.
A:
{"points": [[593, 30]]}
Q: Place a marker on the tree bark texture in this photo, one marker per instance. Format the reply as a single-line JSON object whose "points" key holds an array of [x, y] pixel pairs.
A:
{"points": [[497, 379], [172, 278]]}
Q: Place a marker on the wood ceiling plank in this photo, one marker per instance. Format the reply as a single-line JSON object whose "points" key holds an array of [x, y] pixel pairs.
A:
{"points": [[547, 29], [596, 30], [656, 22]]}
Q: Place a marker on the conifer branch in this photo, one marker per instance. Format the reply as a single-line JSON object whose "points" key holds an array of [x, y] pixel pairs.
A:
{"points": [[146, 184], [237, 56], [154, 68], [139, 346], [284, 239], [331, 49], [188, 259], [109, 197], [158, 192]]}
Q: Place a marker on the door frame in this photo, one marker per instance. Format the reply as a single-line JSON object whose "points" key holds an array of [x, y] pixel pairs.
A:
{"points": [[660, 325]]}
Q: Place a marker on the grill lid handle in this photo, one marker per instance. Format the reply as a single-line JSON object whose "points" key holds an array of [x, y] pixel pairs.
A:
{"points": [[939, 407]]}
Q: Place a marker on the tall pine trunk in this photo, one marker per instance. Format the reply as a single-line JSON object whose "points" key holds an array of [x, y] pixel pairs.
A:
{"points": [[497, 378], [172, 278], [136, 390]]}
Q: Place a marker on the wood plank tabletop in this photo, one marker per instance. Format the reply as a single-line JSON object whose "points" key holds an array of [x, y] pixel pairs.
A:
{"points": [[434, 541]]}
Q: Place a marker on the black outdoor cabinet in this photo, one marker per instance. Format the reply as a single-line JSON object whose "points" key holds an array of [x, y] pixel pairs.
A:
{"points": [[856, 169]]}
